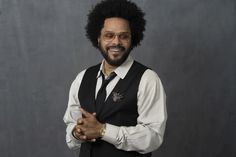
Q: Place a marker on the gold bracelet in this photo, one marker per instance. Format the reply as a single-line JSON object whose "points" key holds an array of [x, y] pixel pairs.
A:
{"points": [[103, 130]]}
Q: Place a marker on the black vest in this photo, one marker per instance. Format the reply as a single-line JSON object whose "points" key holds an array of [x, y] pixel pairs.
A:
{"points": [[119, 109]]}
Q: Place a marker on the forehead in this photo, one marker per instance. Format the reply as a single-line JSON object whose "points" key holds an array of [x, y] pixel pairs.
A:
{"points": [[116, 24]]}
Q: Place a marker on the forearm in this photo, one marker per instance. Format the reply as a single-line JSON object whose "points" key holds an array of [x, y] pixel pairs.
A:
{"points": [[148, 134], [72, 113], [140, 138]]}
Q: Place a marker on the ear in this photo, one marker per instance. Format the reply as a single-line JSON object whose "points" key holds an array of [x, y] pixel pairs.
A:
{"points": [[99, 40]]}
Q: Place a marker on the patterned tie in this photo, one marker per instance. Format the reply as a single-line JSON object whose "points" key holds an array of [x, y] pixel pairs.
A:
{"points": [[101, 96]]}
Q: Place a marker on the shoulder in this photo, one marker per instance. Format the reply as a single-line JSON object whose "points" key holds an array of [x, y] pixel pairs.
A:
{"points": [[150, 80], [150, 75], [78, 78], [80, 75], [150, 85]]}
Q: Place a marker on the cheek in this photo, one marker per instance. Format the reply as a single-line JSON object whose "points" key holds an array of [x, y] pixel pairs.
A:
{"points": [[127, 45], [104, 47], [101, 45]]}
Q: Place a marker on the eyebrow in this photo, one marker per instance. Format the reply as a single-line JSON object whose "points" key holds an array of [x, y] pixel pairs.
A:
{"points": [[115, 32]]}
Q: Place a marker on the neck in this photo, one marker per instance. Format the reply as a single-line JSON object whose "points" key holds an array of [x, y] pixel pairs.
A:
{"points": [[108, 69]]}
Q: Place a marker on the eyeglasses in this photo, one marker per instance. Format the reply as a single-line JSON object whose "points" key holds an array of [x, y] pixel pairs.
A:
{"points": [[109, 36]]}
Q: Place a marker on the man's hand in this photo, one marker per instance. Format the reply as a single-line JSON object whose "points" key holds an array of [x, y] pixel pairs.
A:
{"points": [[88, 128]]}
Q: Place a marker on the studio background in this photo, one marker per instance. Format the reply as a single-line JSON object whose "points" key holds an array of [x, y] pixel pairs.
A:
{"points": [[191, 44]]}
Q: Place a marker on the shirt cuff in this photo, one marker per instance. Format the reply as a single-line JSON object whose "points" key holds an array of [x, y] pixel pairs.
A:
{"points": [[111, 134]]}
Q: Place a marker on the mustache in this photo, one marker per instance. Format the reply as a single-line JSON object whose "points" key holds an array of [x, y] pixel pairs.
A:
{"points": [[116, 47]]}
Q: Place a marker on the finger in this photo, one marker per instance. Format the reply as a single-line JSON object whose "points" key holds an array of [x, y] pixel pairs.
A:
{"points": [[76, 134], [92, 140], [78, 131], [94, 114], [83, 129], [85, 113], [80, 121], [83, 137]]}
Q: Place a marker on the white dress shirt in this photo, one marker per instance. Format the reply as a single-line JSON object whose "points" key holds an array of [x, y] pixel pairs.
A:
{"points": [[148, 134]]}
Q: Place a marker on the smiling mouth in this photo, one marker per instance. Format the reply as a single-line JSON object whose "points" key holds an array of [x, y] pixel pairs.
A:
{"points": [[114, 50], [115, 53]]}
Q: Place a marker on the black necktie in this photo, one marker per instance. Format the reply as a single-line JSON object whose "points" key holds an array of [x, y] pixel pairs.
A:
{"points": [[101, 95]]}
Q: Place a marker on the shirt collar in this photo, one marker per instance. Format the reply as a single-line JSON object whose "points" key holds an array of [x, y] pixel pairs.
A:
{"points": [[122, 70]]}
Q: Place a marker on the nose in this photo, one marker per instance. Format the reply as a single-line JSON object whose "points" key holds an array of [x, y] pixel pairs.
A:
{"points": [[116, 40]]}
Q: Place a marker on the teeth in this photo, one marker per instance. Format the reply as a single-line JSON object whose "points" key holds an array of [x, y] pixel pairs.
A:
{"points": [[115, 49]]}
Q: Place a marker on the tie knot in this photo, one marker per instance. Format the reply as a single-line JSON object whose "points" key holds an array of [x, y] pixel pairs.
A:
{"points": [[108, 79], [111, 76]]}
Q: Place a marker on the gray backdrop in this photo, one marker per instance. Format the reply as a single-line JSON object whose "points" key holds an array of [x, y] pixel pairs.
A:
{"points": [[191, 44]]}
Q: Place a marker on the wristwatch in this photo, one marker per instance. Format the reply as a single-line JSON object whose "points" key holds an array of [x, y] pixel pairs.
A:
{"points": [[103, 130]]}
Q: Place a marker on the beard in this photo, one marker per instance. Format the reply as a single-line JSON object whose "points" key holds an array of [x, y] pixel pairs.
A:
{"points": [[115, 62]]}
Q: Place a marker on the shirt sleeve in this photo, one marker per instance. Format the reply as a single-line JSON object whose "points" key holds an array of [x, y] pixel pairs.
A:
{"points": [[73, 113], [148, 134]]}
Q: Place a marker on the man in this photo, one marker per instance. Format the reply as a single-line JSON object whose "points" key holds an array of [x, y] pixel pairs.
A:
{"points": [[116, 108]]}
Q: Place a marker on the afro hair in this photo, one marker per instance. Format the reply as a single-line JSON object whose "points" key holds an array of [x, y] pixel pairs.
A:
{"points": [[116, 8]]}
